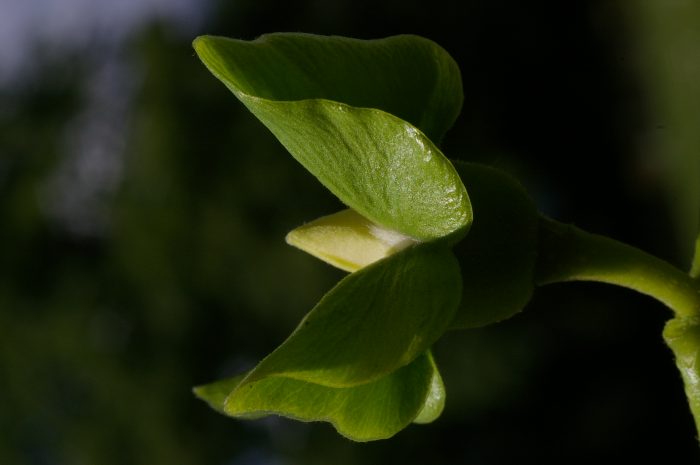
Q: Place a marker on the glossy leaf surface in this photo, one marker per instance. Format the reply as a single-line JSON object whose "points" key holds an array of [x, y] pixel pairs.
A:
{"points": [[434, 402], [408, 76], [373, 322], [371, 411], [498, 256], [380, 165]]}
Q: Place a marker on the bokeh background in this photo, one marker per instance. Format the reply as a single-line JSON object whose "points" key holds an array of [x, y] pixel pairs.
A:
{"points": [[143, 211]]}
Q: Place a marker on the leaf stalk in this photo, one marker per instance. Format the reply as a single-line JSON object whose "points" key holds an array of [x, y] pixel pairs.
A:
{"points": [[567, 253]]}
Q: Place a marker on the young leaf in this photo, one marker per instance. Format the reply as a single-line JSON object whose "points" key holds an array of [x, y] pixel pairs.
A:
{"points": [[435, 400], [373, 322], [347, 240], [215, 393], [376, 410], [383, 167], [408, 76], [497, 259]]}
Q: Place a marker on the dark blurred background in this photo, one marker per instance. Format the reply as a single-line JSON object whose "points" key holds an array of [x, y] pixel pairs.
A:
{"points": [[143, 212]]}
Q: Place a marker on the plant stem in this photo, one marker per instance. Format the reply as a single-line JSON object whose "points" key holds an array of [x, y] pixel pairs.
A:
{"points": [[570, 254], [567, 253]]}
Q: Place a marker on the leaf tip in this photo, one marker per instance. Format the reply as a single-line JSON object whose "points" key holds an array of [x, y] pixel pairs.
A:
{"points": [[200, 42], [198, 392]]}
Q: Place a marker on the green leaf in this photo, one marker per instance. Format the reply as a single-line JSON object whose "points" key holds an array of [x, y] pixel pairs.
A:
{"points": [[434, 402], [498, 256], [408, 76], [347, 240], [371, 411], [683, 337], [304, 90], [373, 322], [215, 393]]}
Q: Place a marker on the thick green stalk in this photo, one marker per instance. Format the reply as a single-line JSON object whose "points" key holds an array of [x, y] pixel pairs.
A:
{"points": [[567, 253]]}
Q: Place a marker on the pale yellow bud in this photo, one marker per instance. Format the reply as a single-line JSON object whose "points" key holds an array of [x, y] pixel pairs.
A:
{"points": [[347, 240]]}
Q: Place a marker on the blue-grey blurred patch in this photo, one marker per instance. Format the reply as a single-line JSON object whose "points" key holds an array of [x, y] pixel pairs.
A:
{"points": [[65, 26], [76, 195]]}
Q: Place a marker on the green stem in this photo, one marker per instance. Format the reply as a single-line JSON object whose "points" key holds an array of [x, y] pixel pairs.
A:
{"points": [[567, 253], [570, 254]]}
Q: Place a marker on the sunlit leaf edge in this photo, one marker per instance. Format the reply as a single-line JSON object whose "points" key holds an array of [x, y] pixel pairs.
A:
{"points": [[448, 215], [444, 100], [221, 393], [442, 294]]}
